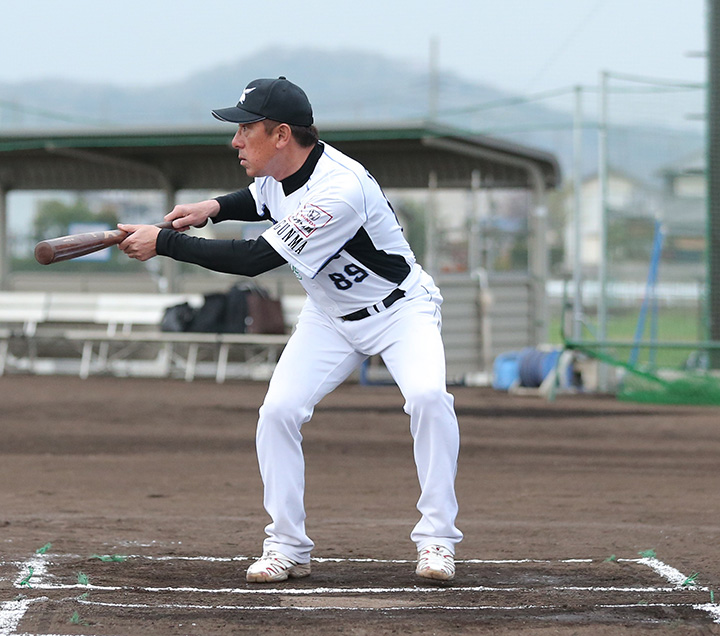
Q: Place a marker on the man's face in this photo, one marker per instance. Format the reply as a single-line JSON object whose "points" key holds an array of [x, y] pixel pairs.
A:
{"points": [[256, 148]]}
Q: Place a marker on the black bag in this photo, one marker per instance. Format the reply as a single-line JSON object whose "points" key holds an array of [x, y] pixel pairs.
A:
{"points": [[243, 309], [177, 317], [236, 309], [210, 318], [249, 309], [264, 314]]}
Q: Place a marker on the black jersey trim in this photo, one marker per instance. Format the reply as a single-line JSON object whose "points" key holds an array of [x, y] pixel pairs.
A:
{"points": [[392, 267], [298, 179]]}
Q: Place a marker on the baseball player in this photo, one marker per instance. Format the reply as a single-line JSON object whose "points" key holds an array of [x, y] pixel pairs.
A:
{"points": [[331, 223]]}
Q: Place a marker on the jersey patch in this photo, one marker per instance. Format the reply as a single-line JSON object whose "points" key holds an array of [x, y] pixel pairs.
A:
{"points": [[299, 226], [309, 219]]}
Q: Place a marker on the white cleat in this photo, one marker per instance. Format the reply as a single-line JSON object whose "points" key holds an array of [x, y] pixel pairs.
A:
{"points": [[274, 566], [436, 562]]}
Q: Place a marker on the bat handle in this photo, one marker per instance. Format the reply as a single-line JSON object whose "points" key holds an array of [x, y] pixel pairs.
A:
{"points": [[164, 225]]}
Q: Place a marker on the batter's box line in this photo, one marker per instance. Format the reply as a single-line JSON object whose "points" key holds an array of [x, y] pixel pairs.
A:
{"points": [[669, 573], [12, 612], [34, 571], [291, 591], [35, 574], [243, 558], [399, 608]]}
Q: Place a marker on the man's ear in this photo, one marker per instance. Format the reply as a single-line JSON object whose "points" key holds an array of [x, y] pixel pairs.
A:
{"points": [[283, 135]]}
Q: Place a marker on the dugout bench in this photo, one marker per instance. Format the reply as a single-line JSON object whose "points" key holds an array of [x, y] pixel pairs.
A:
{"points": [[91, 333]]}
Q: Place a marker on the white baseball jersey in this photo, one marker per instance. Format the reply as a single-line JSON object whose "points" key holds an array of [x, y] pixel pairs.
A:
{"points": [[339, 234]]}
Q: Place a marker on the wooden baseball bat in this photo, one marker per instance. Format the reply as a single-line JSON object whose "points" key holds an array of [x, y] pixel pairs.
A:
{"points": [[65, 248]]}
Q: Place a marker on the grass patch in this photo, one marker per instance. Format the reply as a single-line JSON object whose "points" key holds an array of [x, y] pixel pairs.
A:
{"points": [[674, 324]]}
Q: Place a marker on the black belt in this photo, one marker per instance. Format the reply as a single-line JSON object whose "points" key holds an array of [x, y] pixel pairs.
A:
{"points": [[386, 302]]}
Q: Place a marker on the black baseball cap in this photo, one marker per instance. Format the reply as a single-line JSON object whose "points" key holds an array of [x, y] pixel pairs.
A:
{"points": [[277, 99]]}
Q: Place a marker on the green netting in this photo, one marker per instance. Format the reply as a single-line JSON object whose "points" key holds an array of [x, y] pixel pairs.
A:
{"points": [[691, 389], [643, 383]]}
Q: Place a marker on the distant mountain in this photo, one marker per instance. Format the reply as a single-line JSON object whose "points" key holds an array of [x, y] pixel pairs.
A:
{"points": [[345, 86]]}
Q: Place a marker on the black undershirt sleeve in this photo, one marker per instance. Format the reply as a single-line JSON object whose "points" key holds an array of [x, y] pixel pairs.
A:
{"points": [[234, 256], [237, 206]]}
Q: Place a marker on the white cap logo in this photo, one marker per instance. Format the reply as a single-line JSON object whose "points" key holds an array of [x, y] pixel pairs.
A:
{"points": [[245, 94]]}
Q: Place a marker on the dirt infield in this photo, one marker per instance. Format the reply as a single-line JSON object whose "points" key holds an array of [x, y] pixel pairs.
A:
{"points": [[134, 506]]}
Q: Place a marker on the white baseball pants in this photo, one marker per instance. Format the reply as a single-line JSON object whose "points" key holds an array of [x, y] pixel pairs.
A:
{"points": [[320, 355]]}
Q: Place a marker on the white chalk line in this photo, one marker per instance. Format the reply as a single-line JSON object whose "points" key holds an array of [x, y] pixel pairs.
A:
{"points": [[241, 558], [666, 571], [471, 608], [12, 612], [36, 566], [271, 591], [671, 574], [40, 564], [711, 608]]}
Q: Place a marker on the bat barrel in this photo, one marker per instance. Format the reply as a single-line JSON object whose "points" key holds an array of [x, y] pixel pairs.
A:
{"points": [[44, 253], [74, 245]]}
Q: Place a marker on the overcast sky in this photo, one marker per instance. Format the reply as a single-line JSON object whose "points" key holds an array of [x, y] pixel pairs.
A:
{"points": [[526, 46]]}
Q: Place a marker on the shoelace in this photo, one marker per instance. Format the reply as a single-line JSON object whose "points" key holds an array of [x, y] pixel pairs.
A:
{"points": [[438, 558], [276, 562]]}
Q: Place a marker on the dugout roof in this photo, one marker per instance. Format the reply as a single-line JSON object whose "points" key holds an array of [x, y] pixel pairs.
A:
{"points": [[398, 156]]}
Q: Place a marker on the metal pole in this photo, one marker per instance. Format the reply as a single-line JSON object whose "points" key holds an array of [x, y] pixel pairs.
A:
{"points": [[577, 215], [4, 241], [713, 180], [474, 262], [603, 184], [539, 268], [431, 238]]}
